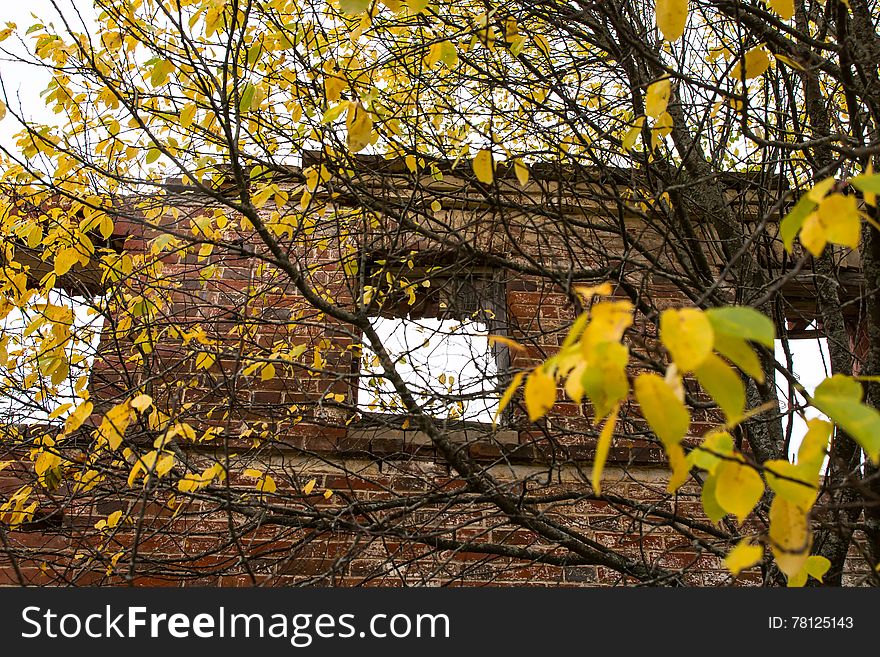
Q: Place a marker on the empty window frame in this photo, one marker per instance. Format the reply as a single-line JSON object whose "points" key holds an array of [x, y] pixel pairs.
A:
{"points": [[810, 364], [436, 329], [46, 352]]}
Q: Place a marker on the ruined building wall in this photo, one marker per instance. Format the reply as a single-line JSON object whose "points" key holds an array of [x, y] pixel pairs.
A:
{"points": [[362, 498]]}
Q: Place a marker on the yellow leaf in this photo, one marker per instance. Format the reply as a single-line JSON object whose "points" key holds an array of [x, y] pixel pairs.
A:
{"points": [[309, 487], [629, 139], [788, 61], [187, 114], [608, 322], [141, 403], [671, 18], [58, 412], [115, 423], [484, 167], [790, 536], [2, 110], [814, 446], [46, 461], [448, 54], [661, 407], [602, 447], [360, 128], [796, 483], [724, 385], [820, 189], [508, 395], [204, 361], [510, 343], [839, 215], [709, 454], [80, 415], [604, 379], [680, 467], [164, 465], [311, 175], [114, 518], [590, 291], [657, 97], [688, 335], [328, 494], [785, 8], [521, 171], [266, 485], [539, 393], [267, 373], [813, 235], [755, 62], [354, 7], [251, 472], [817, 566], [574, 384], [743, 556], [65, 259], [333, 87], [738, 488], [542, 44], [662, 128]]}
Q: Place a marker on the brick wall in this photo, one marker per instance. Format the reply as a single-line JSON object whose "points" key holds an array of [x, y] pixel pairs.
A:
{"points": [[385, 508]]}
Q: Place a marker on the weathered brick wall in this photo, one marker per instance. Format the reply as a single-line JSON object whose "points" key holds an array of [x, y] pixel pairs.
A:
{"points": [[292, 426]]}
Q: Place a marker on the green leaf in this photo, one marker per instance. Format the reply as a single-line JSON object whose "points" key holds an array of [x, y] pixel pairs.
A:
{"points": [[247, 98], [840, 385], [664, 411], [354, 7], [859, 421], [867, 183], [740, 353], [715, 445], [744, 323], [724, 385], [738, 488], [710, 504]]}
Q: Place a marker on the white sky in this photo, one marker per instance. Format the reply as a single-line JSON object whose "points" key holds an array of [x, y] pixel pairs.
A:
{"points": [[811, 365], [21, 80]]}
